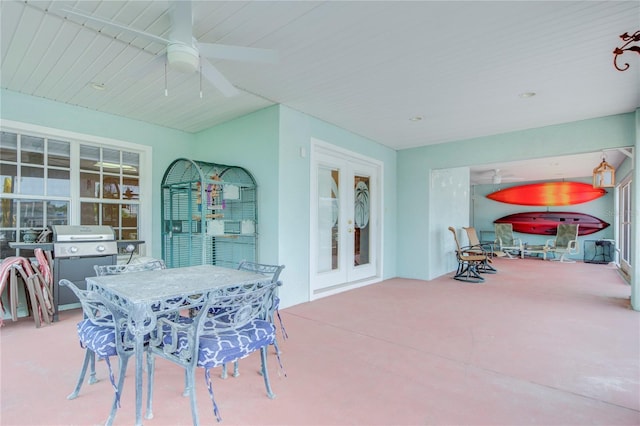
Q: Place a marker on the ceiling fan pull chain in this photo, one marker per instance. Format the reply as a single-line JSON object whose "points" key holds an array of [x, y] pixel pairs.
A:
{"points": [[166, 87], [200, 75]]}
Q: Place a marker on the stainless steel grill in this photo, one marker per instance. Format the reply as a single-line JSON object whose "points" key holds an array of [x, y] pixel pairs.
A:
{"points": [[76, 249]]}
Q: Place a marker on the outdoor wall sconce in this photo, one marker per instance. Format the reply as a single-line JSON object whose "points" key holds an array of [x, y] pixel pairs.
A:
{"points": [[628, 39], [604, 176]]}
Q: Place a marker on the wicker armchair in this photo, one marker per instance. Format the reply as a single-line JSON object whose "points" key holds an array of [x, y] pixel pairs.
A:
{"points": [[469, 264]]}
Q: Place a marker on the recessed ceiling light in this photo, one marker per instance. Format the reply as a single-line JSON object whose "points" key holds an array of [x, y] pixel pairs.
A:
{"points": [[416, 118], [527, 94], [98, 86]]}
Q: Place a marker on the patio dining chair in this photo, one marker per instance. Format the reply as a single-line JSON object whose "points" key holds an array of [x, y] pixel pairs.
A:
{"points": [[565, 243], [102, 332], [273, 271], [468, 263], [507, 243], [232, 324], [103, 270]]}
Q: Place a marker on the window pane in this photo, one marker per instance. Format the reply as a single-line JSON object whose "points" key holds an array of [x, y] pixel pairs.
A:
{"points": [[57, 213], [32, 180], [32, 150], [89, 214], [130, 215], [129, 234], [58, 183], [89, 158], [111, 187], [31, 213], [8, 146], [8, 209], [131, 188], [7, 236], [59, 153], [110, 215], [130, 163], [89, 185], [110, 160], [8, 174]]}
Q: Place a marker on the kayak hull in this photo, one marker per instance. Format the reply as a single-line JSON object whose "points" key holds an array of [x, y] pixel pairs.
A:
{"points": [[546, 223]]}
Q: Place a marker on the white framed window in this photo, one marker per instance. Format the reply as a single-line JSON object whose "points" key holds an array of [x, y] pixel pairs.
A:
{"points": [[54, 177]]}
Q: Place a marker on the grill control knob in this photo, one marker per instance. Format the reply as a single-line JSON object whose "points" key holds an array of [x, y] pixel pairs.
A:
{"points": [[73, 249], [100, 248]]}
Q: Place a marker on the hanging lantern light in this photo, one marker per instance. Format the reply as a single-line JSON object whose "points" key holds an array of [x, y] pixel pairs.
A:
{"points": [[604, 176]]}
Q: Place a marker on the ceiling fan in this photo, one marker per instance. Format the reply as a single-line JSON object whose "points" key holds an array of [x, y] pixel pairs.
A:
{"points": [[496, 177], [184, 53]]}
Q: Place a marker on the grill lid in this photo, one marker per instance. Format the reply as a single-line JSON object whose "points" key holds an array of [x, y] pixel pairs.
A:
{"points": [[77, 233]]}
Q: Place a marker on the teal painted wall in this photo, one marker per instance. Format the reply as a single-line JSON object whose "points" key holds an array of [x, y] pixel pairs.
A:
{"points": [[296, 131], [251, 142], [168, 144], [414, 166]]}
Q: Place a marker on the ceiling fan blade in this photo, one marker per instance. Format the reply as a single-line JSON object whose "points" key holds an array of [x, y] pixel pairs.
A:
{"points": [[237, 53], [156, 63], [216, 78], [115, 25], [181, 22]]}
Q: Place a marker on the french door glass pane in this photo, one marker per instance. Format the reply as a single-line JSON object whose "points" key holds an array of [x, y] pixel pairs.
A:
{"points": [[328, 218], [362, 212]]}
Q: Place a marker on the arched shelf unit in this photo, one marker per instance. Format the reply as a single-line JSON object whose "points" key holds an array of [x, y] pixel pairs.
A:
{"points": [[209, 214]]}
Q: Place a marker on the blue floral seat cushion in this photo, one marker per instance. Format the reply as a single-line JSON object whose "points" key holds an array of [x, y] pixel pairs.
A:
{"points": [[228, 346], [101, 339]]}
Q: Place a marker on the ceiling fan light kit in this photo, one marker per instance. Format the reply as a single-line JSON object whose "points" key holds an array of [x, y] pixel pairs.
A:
{"points": [[183, 58]]}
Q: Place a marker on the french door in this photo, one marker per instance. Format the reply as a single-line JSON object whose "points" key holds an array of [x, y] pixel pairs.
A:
{"points": [[624, 226], [345, 232]]}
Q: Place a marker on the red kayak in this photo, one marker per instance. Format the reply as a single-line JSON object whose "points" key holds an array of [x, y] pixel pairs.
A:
{"points": [[548, 194], [546, 223]]}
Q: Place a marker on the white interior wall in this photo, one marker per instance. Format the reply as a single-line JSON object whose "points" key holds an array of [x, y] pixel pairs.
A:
{"points": [[448, 206]]}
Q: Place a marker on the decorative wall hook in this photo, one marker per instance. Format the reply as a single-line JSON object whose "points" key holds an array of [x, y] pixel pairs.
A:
{"points": [[628, 39]]}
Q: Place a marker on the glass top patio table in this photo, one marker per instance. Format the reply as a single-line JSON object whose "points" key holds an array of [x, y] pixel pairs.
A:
{"points": [[149, 294]]}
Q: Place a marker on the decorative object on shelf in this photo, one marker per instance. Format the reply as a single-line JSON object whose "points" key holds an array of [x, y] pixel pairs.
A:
{"points": [[546, 223], [628, 39], [604, 176], [548, 194], [30, 236]]}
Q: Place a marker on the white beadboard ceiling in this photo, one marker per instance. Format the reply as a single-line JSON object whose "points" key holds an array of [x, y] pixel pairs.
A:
{"points": [[367, 67]]}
